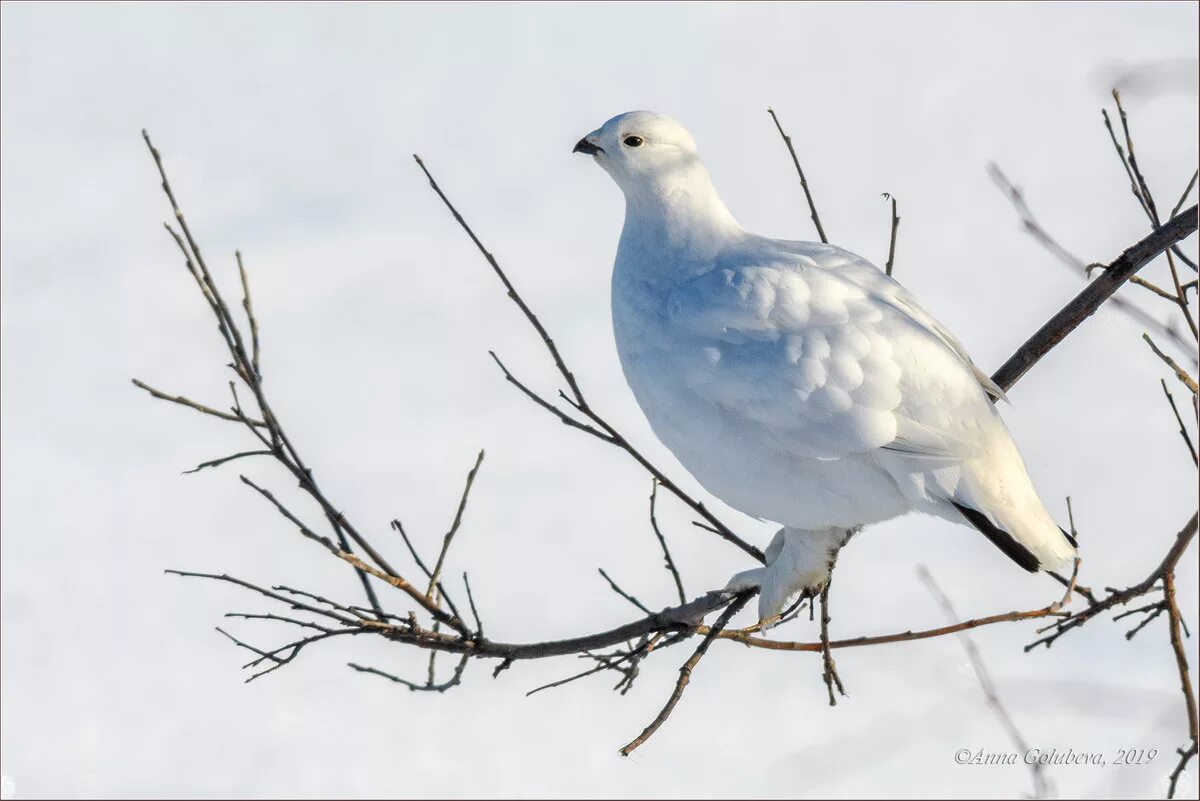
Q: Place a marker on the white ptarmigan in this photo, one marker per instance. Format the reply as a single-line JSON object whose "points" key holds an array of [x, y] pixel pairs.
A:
{"points": [[796, 381]]}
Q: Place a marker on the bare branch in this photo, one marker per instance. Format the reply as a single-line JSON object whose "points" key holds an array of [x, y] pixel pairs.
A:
{"points": [[1151, 611], [1187, 190], [1183, 432], [350, 610], [474, 611], [616, 662], [662, 541], [1180, 373], [1084, 304], [191, 404], [1185, 756], [388, 576], [812, 208], [617, 589], [578, 401], [1137, 182], [895, 227], [306, 624], [458, 514], [1185, 681], [249, 307], [398, 526], [1031, 226], [1041, 784], [634, 641], [512, 291], [1120, 597], [428, 686], [547, 405], [224, 459], [829, 666], [293, 649], [243, 365], [685, 674], [289, 602]]}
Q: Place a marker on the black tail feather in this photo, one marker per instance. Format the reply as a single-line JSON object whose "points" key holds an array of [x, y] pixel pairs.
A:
{"points": [[1002, 539]]}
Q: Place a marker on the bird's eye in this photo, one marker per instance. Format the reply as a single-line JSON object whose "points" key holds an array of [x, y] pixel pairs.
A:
{"points": [[633, 141]]}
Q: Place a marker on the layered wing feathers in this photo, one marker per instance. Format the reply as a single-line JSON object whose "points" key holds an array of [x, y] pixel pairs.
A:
{"points": [[829, 353]]}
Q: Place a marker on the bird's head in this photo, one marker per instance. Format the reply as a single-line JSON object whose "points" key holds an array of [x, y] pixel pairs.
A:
{"points": [[641, 149]]}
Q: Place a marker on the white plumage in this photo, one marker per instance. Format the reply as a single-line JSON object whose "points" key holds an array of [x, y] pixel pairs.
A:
{"points": [[796, 381]]}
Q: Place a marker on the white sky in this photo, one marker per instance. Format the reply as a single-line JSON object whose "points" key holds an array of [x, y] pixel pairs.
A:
{"points": [[288, 132]]}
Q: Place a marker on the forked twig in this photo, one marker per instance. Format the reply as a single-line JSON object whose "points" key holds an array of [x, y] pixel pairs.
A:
{"points": [[685, 675], [605, 430]]}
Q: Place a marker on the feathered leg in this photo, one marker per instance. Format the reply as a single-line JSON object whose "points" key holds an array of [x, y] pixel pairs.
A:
{"points": [[798, 560]]}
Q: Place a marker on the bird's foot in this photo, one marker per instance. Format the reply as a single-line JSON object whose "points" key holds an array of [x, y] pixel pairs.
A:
{"points": [[798, 561]]}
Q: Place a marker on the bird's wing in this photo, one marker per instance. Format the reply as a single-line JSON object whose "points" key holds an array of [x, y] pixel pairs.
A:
{"points": [[825, 361], [885, 289]]}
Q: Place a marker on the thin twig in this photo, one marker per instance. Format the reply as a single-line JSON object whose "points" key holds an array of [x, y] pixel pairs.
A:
{"points": [[428, 686], [319, 599], [599, 668], [388, 575], [224, 459], [1120, 597], [617, 589], [293, 649], [1041, 784], [249, 307], [474, 611], [1183, 432], [547, 405], [829, 666], [685, 674], [1187, 190], [191, 404], [1180, 373], [1137, 182], [577, 400], [895, 226], [1086, 303], [1031, 226], [289, 602], [1181, 297], [1185, 756], [1153, 610], [398, 526], [1181, 662], [512, 291], [616, 662], [458, 515], [285, 452], [306, 624], [662, 541], [812, 207]]}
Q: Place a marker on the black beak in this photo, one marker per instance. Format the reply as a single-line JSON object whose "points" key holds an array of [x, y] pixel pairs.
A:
{"points": [[584, 146]]}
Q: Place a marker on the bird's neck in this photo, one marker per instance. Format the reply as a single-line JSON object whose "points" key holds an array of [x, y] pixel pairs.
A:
{"points": [[677, 219]]}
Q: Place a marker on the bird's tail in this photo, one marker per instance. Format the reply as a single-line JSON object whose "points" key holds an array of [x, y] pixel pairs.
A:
{"points": [[1035, 542], [996, 496]]}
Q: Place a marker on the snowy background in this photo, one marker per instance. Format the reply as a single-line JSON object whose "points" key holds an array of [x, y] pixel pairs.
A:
{"points": [[288, 131]]}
